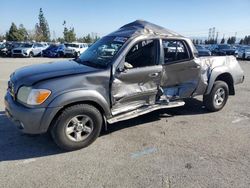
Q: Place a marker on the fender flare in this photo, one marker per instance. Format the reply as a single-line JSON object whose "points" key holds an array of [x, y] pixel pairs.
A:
{"points": [[217, 71]]}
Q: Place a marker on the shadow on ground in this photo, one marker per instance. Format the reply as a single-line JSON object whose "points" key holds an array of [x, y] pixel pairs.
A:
{"points": [[192, 107], [16, 146]]}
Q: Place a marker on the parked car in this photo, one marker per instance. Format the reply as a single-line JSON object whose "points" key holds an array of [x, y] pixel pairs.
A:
{"points": [[6, 48], [244, 52], [54, 51], [28, 50], [125, 74], [202, 51], [74, 49], [223, 49]]}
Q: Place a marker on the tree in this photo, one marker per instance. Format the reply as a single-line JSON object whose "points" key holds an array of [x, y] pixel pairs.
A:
{"points": [[222, 41], [12, 34], [89, 38], [42, 31], [23, 33], [68, 33], [2, 37], [231, 40]]}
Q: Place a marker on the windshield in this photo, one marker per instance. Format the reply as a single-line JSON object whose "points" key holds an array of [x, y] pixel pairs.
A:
{"points": [[247, 49], [199, 47], [224, 47], [102, 52], [72, 45], [2, 45], [26, 45], [52, 47]]}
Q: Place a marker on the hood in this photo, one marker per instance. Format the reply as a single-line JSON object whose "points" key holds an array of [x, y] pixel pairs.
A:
{"points": [[35, 73], [228, 50], [21, 48], [70, 48], [203, 50], [51, 49]]}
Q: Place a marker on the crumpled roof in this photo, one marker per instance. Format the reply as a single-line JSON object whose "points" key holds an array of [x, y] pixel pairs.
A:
{"points": [[141, 27]]}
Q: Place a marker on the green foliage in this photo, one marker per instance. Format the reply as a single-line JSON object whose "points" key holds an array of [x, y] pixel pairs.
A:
{"points": [[211, 41], [231, 40], [2, 37], [68, 33], [42, 32], [17, 34], [246, 40], [89, 38], [222, 41]]}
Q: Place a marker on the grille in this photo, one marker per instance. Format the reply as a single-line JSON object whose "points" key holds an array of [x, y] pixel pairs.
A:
{"points": [[17, 51]]}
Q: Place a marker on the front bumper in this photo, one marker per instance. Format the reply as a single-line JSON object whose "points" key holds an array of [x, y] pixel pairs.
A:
{"points": [[28, 120], [20, 54]]}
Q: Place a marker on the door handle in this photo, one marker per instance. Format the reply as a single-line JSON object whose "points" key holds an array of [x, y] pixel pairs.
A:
{"points": [[153, 75]]}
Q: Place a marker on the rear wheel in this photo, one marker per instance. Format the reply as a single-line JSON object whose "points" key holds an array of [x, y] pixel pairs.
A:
{"points": [[218, 96], [77, 127]]}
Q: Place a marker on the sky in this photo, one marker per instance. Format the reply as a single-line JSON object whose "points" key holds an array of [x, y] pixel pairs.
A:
{"points": [[191, 18]]}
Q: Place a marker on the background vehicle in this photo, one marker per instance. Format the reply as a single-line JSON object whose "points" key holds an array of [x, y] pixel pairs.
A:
{"points": [[28, 50], [6, 48], [74, 49], [54, 51], [127, 73], [202, 51], [244, 52], [223, 49]]}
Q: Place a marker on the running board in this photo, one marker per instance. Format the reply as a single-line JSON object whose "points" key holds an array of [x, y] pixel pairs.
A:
{"points": [[144, 110]]}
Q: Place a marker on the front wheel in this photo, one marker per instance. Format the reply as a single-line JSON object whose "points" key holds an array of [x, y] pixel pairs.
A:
{"points": [[31, 54], [77, 127], [218, 96]]}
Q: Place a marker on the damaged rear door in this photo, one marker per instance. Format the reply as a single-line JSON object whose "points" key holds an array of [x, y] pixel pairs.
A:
{"points": [[181, 74], [136, 82]]}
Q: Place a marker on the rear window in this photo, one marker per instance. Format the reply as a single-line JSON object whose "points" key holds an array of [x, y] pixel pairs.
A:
{"points": [[175, 50]]}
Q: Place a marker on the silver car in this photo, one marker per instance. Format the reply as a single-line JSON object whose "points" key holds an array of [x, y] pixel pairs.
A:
{"points": [[244, 52]]}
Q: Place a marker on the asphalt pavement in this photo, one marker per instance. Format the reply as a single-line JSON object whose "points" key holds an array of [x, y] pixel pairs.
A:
{"points": [[181, 147]]}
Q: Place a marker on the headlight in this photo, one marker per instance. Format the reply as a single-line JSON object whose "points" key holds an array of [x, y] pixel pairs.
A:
{"points": [[32, 96]]}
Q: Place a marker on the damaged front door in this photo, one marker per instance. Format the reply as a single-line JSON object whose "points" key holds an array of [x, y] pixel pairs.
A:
{"points": [[137, 82]]}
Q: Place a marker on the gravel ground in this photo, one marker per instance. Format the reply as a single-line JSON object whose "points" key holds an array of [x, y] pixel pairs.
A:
{"points": [[181, 147]]}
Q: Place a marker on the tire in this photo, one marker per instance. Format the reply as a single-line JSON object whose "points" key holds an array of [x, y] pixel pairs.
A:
{"points": [[212, 101], [77, 54], [69, 135], [244, 56], [31, 54]]}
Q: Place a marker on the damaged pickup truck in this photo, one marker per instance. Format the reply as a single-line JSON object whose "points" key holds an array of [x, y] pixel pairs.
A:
{"points": [[137, 69]]}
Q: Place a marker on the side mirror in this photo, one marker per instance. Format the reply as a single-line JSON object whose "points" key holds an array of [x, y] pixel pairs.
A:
{"points": [[128, 65]]}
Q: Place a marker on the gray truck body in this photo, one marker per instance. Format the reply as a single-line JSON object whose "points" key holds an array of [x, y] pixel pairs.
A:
{"points": [[117, 92]]}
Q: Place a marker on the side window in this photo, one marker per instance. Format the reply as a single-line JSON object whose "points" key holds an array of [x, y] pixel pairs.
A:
{"points": [[175, 50], [143, 53], [38, 45]]}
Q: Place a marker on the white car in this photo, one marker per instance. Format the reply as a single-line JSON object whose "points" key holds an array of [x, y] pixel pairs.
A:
{"points": [[75, 49], [28, 50]]}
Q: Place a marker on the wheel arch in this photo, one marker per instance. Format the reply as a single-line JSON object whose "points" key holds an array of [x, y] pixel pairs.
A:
{"points": [[223, 75], [226, 77], [66, 100]]}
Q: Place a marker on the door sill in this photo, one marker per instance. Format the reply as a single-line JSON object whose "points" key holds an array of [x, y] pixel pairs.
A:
{"points": [[144, 110]]}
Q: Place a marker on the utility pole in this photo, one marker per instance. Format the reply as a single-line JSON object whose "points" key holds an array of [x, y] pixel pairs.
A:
{"points": [[217, 34], [213, 33]]}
